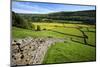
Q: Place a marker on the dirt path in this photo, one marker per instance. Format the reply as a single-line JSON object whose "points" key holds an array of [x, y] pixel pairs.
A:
{"points": [[32, 50]]}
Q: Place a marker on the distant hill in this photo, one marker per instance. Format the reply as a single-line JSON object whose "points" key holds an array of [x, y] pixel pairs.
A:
{"points": [[86, 16], [89, 13]]}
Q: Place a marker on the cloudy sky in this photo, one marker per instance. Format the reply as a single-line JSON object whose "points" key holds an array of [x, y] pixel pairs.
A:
{"points": [[42, 8]]}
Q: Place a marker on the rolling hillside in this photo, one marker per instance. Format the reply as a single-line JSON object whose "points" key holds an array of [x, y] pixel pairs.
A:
{"points": [[87, 16]]}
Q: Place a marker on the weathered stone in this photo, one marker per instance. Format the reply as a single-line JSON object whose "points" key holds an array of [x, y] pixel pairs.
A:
{"points": [[32, 51]]}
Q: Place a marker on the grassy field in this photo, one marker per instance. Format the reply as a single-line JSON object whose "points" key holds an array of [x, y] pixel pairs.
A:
{"points": [[71, 31], [22, 33], [69, 51]]}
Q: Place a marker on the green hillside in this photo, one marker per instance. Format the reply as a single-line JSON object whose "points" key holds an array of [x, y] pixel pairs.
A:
{"points": [[87, 16]]}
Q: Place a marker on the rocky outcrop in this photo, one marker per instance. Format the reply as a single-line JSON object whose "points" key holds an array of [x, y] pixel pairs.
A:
{"points": [[30, 51]]}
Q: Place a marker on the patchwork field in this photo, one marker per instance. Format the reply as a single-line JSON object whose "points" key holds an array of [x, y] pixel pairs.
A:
{"points": [[71, 31], [74, 49]]}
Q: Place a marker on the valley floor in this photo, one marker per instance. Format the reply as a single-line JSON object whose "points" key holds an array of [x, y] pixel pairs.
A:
{"points": [[71, 49]]}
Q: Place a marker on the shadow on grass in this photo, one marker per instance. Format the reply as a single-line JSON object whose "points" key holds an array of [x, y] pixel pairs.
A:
{"points": [[90, 31], [83, 43], [85, 36], [66, 33]]}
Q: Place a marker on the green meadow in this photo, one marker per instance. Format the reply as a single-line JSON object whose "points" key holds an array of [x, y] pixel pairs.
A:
{"points": [[72, 50], [69, 52]]}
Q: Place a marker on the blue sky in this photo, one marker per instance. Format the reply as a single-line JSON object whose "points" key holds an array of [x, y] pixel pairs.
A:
{"points": [[42, 8]]}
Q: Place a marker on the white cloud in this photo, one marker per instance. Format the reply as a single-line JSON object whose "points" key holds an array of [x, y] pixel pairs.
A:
{"points": [[21, 11]]}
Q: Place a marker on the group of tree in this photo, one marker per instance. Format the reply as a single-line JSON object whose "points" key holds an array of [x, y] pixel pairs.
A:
{"points": [[20, 22]]}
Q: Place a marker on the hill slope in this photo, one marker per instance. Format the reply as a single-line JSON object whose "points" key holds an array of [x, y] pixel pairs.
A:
{"points": [[87, 16]]}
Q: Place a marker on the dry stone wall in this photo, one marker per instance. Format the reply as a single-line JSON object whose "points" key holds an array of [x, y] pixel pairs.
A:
{"points": [[30, 51]]}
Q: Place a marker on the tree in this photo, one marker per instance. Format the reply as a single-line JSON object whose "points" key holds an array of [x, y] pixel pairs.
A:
{"points": [[38, 28], [33, 27]]}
